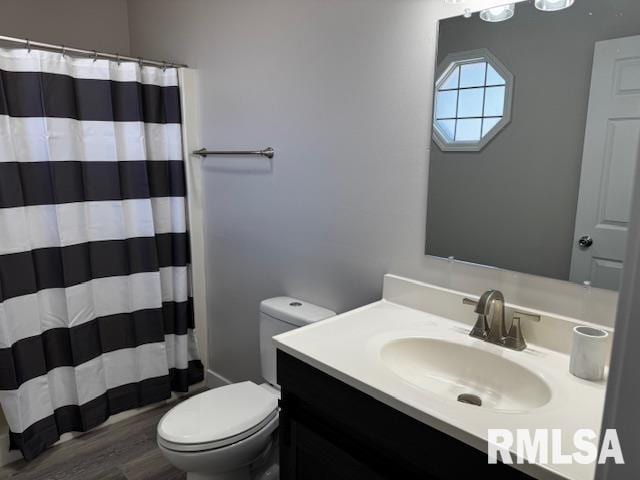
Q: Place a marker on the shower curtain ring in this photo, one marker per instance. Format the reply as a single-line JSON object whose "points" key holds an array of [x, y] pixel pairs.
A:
{"points": [[140, 62], [63, 51], [118, 59], [164, 66], [28, 46], [95, 56]]}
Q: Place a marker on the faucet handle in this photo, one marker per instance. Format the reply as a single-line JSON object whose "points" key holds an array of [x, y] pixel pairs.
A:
{"points": [[518, 315], [515, 339], [481, 328]]}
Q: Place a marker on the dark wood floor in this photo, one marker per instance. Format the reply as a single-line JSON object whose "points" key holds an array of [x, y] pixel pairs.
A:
{"points": [[126, 450]]}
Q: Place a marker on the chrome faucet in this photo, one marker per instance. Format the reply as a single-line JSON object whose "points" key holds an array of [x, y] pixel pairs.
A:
{"points": [[491, 326], [491, 305]]}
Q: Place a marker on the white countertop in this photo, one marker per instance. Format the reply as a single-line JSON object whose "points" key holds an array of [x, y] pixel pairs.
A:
{"points": [[347, 347]]}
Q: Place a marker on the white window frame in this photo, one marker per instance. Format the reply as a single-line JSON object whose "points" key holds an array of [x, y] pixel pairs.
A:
{"points": [[445, 67]]}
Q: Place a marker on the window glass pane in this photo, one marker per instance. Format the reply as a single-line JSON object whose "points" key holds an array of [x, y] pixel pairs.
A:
{"points": [[494, 102], [488, 124], [447, 128], [446, 104], [468, 130], [452, 80], [472, 74], [470, 103], [493, 77]]}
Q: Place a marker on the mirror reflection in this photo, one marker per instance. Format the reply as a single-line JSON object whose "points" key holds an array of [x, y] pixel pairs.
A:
{"points": [[536, 136]]}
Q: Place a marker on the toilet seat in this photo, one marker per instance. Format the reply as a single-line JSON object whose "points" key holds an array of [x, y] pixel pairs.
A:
{"points": [[218, 417]]}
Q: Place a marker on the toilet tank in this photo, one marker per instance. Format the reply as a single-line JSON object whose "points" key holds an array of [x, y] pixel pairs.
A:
{"points": [[279, 315]]}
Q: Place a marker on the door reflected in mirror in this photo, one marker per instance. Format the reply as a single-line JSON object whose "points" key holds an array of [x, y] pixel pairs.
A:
{"points": [[536, 136]]}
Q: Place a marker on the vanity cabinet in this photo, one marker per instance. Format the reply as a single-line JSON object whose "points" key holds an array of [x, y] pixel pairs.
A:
{"points": [[332, 431]]}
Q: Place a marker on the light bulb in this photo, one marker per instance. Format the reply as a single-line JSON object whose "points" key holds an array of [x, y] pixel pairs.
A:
{"points": [[553, 5], [498, 14]]}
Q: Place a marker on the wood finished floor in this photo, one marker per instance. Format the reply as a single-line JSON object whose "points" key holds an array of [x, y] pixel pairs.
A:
{"points": [[126, 450]]}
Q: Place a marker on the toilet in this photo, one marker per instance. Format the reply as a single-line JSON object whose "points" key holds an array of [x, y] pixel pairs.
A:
{"points": [[230, 432]]}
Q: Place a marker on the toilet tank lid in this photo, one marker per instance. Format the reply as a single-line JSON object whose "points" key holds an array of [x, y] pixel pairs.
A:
{"points": [[294, 311]]}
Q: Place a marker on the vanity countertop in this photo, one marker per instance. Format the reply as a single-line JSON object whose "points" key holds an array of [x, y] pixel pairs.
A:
{"points": [[348, 348]]}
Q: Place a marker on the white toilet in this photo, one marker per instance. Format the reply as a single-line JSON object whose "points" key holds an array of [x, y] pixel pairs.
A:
{"points": [[229, 433]]}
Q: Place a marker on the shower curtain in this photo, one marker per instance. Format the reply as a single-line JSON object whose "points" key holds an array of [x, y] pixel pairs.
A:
{"points": [[96, 315]]}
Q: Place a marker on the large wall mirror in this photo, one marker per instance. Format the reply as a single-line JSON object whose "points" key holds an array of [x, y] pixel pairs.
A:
{"points": [[536, 136]]}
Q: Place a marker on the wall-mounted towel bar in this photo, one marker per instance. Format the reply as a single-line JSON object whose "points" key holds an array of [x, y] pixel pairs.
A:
{"points": [[266, 152]]}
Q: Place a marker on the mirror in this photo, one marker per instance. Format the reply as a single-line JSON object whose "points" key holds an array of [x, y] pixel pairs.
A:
{"points": [[536, 136]]}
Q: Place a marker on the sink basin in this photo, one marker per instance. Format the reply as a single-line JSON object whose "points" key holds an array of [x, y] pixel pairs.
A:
{"points": [[466, 374]]}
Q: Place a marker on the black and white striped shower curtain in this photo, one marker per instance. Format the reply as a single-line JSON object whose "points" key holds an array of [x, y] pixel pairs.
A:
{"points": [[96, 315]]}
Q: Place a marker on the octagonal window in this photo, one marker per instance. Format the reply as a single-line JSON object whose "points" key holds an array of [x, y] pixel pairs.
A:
{"points": [[472, 100]]}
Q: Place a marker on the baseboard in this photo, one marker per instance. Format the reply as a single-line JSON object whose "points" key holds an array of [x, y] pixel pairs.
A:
{"points": [[214, 379], [7, 457]]}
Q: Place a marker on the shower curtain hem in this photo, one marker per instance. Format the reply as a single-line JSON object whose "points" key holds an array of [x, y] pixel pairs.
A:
{"points": [[81, 418]]}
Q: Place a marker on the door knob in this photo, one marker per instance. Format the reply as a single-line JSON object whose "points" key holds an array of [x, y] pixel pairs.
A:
{"points": [[585, 241]]}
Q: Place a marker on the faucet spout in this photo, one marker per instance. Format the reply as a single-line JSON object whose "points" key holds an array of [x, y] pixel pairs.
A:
{"points": [[491, 304]]}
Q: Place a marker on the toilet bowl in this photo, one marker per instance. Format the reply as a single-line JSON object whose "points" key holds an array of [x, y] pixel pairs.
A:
{"points": [[230, 432], [221, 433]]}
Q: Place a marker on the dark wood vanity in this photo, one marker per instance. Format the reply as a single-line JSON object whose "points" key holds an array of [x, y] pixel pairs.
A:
{"points": [[332, 431]]}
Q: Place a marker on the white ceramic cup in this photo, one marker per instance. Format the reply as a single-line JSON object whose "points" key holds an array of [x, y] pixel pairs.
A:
{"points": [[588, 352]]}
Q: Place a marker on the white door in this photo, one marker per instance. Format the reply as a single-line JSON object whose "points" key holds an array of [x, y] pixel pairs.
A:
{"points": [[611, 148]]}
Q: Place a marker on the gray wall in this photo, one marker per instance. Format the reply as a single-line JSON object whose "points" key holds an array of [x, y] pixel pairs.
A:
{"points": [[91, 24], [342, 90], [325, 83], [528, 176]]}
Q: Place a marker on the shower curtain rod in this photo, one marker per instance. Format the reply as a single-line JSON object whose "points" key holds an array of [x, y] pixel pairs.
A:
{"points": [[28, 44]]}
